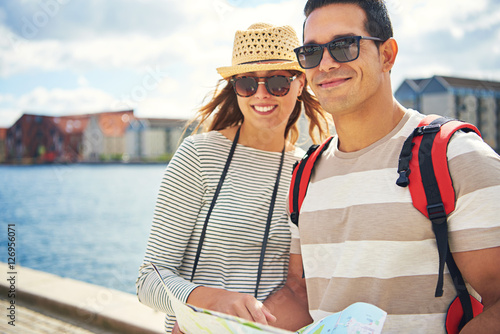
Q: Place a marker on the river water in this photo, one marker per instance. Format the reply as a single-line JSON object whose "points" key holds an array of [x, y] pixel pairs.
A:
{"points": [[87, 222]]}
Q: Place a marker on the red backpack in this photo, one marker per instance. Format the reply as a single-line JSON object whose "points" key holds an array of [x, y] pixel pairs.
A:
{"points": [[423, 167]]}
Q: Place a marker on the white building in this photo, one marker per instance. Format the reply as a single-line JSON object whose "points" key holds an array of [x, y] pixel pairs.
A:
{"points": [[473, 101], [104, 136], [153, 139]]}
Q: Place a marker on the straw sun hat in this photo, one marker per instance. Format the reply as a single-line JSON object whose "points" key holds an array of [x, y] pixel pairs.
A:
{"points": [[263, 47]]}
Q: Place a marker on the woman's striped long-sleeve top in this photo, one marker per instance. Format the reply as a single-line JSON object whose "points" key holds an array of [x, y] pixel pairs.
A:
{"points": [[232, 245]]}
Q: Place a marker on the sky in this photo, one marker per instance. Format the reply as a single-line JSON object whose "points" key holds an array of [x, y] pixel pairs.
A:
{"points": [[159, 57]]}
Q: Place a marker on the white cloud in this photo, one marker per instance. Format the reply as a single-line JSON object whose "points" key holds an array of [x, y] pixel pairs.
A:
{"points": [[204, 39], [163, 107], [59, 101], [82, 81], [24, 56], [444, 37], [9, 116], [172, 48], [413, 18]]}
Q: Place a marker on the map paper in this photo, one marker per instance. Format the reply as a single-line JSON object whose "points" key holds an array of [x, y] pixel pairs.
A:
{"points": [[359, 318]]}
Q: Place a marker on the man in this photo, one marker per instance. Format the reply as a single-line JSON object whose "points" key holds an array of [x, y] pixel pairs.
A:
{"points": [[359, 238]]}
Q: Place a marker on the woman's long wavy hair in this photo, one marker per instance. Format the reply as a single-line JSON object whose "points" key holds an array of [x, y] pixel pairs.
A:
{"points": [[223, 111]]}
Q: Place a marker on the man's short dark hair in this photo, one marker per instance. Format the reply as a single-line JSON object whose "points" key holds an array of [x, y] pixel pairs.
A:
{"points": [[378, 23]]}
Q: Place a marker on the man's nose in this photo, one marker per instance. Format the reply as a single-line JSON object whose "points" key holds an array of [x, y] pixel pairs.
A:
{"points": [[327, 61]]}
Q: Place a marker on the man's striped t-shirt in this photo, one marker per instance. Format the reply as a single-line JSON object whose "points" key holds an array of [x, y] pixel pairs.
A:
{"points": [[362, 240]]}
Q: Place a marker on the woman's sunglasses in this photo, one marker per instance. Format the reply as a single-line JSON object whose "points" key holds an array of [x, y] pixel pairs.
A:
{"points": [[277, 85], [342, 50]]}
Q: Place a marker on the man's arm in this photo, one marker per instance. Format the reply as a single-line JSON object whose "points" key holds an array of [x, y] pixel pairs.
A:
{"points": [[289, 304], [481, 269]]}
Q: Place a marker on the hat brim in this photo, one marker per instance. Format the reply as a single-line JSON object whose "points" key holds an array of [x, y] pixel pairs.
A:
{"points": [[229, 71]]}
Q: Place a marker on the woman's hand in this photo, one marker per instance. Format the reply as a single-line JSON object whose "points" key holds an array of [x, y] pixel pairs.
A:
{"points": [[239, 304]]}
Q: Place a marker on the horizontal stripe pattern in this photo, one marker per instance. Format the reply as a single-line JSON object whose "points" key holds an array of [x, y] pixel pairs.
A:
{"points": [[415, 323], [344, 195], [369, 258], [330, 222], [362, 240], [398, 299], [233, 241]]}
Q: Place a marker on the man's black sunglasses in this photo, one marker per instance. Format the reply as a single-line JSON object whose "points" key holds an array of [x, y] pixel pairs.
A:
{"points": [[342, 50]]}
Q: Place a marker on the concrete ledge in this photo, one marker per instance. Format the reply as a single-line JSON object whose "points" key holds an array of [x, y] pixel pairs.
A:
{"points": [[86, 303]]}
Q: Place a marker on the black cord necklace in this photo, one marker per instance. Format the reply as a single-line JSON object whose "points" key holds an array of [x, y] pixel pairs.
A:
{"points": [[269, 214]]}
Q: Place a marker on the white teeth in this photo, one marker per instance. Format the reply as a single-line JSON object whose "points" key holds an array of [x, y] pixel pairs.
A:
{"points": [[263, 109]]}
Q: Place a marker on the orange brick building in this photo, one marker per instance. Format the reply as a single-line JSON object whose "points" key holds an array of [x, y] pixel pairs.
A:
{"points": [[45, 139]]}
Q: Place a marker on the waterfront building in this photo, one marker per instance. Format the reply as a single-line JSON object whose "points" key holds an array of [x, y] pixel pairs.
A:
{"points": [[3, 145], [104, 136], [65, 139], [470, 100], [100, 137], [40, 139], [153, 139]]}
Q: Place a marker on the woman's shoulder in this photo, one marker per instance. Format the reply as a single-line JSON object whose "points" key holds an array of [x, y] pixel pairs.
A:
{"points": [[209, 138], [216, 141], [297, 153], [207, 145]]}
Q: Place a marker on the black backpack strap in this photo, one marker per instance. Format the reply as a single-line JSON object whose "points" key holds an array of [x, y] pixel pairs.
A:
{"points": [[438, 217], [434, 207], [404, 160]]}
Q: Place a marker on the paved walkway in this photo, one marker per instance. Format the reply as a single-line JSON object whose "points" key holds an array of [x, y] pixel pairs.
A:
{"points": [[46, 303], [33, 322]]}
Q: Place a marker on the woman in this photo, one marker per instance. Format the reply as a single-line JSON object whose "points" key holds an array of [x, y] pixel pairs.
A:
{"points": [[231, 261]]}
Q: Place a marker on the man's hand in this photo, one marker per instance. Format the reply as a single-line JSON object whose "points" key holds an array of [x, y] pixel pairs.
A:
{"points": [[238, 304], [176, 329], [289, 304]]}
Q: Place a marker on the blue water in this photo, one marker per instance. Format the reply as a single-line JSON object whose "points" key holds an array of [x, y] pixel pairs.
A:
{"points": [[87, 222]]}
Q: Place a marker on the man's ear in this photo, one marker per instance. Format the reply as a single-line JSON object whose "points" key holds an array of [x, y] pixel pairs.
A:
{"points": [[388, 53]]}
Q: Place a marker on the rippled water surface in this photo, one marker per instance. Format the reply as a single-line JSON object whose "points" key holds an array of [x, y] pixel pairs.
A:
{"points": [[87, 222]]}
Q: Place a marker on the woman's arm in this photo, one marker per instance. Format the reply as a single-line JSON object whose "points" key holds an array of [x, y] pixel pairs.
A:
{"points": [[178, 204], [234, 303]]}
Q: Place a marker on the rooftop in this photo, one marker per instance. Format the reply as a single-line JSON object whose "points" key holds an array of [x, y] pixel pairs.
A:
{"points": [[419, 84]]}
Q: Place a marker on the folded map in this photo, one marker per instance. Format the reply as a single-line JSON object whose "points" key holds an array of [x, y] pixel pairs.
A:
{"points": [[359, 318]]}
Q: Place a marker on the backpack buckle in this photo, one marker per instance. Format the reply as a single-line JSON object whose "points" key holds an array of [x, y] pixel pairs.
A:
{"points": [[431, 128], [437, 212], [403, 180], [311, 149]]}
